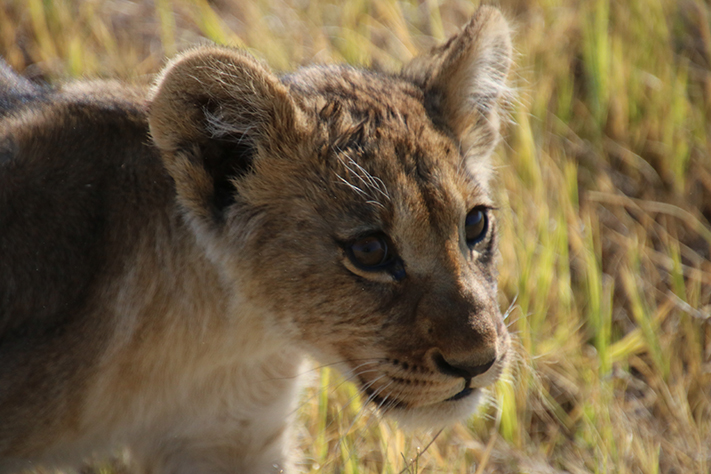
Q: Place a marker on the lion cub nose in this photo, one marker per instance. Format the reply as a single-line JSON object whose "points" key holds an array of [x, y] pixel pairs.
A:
{"points": [[458, 369]]}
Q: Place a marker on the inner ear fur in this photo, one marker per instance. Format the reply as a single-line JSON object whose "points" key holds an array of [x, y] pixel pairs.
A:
{"points": [[465, 83], [212, 111]]}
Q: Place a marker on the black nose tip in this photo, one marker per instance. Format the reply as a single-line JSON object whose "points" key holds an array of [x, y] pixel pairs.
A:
{"points": [[461, 370]]}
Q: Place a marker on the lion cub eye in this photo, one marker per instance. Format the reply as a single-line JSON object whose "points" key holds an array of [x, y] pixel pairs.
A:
{"points": [[475, 226], [369, 252]]}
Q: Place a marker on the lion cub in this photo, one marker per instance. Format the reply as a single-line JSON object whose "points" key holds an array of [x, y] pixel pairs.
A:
{"points": [[168, 257]]}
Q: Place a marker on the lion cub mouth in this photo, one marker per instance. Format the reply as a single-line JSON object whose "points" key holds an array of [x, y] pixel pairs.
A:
{"points": [[400, 385], [463, 394], [385, 403]]}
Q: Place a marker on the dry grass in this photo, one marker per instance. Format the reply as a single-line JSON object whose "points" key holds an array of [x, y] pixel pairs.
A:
{"points": [[607, 243]]}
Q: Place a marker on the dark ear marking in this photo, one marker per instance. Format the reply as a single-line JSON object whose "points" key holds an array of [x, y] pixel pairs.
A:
{"points": [[226, 161], [227, 156]]}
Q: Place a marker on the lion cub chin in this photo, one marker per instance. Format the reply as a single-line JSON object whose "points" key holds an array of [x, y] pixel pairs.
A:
{"points": [[168, 257]]}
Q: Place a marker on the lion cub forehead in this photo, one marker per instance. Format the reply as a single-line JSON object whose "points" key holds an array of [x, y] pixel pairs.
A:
{"points": [[355, 90], [381, 147], [376, 121]]}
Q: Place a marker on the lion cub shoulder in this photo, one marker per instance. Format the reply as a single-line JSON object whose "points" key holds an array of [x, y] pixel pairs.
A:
{"points": [[169, 256]]}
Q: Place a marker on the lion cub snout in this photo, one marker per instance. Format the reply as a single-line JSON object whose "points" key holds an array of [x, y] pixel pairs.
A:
{"points": [[464, 369], [463, 333]]}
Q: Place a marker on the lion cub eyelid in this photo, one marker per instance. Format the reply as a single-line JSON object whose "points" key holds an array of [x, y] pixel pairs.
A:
{"points": [[392, 268]]}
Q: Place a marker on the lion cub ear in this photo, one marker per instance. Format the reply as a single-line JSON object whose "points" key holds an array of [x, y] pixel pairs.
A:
{"points": [[212, 111], [465, 87]]}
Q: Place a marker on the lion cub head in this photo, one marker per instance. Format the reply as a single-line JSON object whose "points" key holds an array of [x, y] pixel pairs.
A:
{"points": [[350, 210]]}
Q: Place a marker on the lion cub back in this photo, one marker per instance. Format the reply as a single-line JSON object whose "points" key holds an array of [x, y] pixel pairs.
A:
{"points": [[79, 184]]}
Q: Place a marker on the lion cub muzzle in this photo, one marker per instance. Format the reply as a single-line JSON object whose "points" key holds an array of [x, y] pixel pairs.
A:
{"points": [[463, 333]]}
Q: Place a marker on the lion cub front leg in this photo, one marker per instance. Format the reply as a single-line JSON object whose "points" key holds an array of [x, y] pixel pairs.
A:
{"points": [[223, 437], [230, 420], [215, 452]]}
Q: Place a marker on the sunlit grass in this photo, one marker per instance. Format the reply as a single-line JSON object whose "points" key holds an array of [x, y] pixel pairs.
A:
{"points": [[605, 204]]}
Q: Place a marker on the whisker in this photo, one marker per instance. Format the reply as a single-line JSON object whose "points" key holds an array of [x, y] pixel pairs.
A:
{"points": [[371, 187], [370, 398], [329, 365], [332, 388], [511, 307]]}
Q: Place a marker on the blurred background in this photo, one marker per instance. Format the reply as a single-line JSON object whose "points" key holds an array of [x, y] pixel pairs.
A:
{"points": [[605, 196]]}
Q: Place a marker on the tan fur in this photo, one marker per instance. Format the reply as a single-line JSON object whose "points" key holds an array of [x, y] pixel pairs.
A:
{"points": [[168, 257]]}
